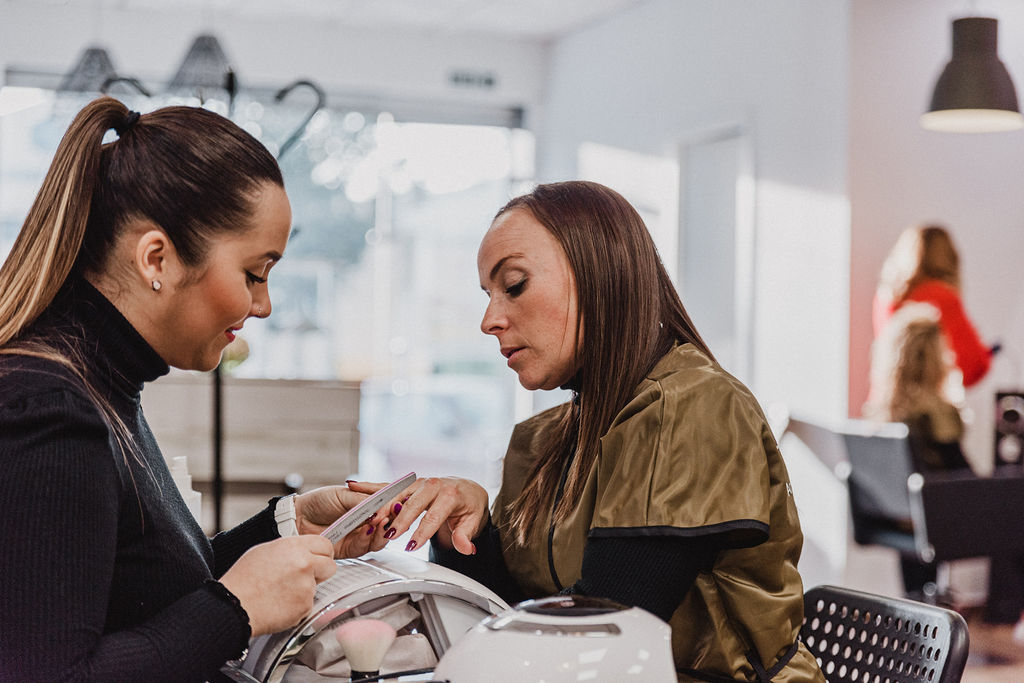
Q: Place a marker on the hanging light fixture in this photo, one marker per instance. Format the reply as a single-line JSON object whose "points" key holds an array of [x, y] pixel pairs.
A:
{"points": [[205, 66], [975, 93], [90, 72]]}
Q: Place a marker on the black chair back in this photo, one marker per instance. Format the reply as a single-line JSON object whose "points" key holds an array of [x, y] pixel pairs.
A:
{"points": [[880, 464], [859, 637]]}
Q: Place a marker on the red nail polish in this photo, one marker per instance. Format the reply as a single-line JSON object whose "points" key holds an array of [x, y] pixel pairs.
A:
{"points": [[405, 499], [390, 533], [397, 508], [411, 546], [369, 532], [350, 481]]}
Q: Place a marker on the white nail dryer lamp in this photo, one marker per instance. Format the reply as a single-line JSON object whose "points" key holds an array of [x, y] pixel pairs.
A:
{"points": [[563, 639], [443, 603]]}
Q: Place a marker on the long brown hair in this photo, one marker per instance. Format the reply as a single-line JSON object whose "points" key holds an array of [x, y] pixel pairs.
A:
{"points": [[921, 253], [630, 315], [188, 170]]}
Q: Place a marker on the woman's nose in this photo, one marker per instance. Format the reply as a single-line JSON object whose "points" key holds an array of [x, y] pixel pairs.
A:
{"points": [[494, 320], [260, 306]]}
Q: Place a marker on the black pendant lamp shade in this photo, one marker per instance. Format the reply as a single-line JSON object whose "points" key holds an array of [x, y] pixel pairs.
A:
{"points": [[974, 94]]}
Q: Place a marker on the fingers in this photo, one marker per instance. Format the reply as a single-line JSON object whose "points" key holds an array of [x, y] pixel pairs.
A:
{"points": [[324, 569], [444, 503], [364, 486], [321, 556], [424, 496]]}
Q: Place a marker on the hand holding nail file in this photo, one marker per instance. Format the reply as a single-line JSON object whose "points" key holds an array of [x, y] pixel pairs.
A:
{"points": [[349, 521]]}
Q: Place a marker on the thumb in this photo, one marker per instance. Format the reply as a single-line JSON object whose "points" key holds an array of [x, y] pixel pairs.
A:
{"points": [[364, 486], [461, 540]]}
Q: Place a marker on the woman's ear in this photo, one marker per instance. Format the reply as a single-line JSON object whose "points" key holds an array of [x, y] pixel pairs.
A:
{"points": [[154, 258]]}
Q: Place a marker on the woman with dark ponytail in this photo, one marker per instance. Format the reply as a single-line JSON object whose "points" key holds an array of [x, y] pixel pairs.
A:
{"points": [[658, 485], [145, 252]]}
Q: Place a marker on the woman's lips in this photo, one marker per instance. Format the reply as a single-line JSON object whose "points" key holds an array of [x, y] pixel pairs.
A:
{"points": [[512, 354]]}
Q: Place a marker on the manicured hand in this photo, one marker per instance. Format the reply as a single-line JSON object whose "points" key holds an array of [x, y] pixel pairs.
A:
{"points": [[454, 509]]}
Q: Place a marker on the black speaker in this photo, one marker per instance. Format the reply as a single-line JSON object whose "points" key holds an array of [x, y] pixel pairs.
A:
{"points": [[1009, 448]]}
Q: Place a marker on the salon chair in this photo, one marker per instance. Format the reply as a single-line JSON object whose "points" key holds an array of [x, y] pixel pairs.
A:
{"points": [[937, 517], [858, 636]]}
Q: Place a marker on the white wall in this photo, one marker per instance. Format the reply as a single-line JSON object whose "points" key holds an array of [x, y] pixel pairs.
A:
{"points": [[901, 174], [272, 52], [648, 78]]}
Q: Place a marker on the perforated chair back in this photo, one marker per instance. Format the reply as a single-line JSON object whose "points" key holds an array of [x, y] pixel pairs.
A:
{"points": [[865, 638]]}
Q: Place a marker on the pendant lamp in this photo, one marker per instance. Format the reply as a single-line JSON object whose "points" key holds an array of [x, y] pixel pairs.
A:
{"points": [[90, 72], [975, 93], [205, 66]]}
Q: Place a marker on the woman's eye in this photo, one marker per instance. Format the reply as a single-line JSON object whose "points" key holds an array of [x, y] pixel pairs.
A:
{"points": [[516, 289], [254, 279]]}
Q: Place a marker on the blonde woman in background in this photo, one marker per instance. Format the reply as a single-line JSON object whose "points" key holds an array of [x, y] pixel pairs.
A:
{"points": [[912, 382]]}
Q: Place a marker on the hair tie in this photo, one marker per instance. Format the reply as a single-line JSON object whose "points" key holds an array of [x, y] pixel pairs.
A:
{"points": [[129, 121]]}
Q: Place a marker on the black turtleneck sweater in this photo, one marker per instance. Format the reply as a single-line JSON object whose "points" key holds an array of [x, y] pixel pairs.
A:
{"points": [[104, 573]]}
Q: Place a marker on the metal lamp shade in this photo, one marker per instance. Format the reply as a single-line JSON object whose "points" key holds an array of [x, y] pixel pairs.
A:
{"points": [[90, 72], [975, 93], [205, 66]]}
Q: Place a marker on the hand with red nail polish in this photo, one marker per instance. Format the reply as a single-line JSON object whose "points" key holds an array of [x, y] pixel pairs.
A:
{"points": [[453, 511]]}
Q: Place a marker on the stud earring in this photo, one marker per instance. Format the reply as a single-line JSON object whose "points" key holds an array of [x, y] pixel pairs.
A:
{"points": [[259, 311], [156, 285]]}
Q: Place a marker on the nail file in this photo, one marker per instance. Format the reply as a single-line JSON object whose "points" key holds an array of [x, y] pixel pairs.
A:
{"points": [[358, 515]]}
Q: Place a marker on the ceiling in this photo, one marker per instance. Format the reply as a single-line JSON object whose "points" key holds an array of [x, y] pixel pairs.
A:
{"points": [[527, 19]]}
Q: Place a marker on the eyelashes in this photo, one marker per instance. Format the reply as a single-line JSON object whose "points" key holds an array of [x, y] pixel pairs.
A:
{"points": [[255, 279], [516, 289]]}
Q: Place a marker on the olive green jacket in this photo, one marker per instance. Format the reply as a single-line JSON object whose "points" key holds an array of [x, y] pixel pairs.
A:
{"points": [[690, 455]]}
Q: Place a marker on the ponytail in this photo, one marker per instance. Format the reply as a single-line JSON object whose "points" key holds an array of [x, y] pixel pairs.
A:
{"points": [[50, 239]]}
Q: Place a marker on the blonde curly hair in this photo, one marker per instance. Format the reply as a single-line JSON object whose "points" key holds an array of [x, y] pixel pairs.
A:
{"points": [[911, 366]]}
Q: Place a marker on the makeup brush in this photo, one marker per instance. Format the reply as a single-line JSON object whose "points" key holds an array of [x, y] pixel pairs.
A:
{"points": [[365, 642]]}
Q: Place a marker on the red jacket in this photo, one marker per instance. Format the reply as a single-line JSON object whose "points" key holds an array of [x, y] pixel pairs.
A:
{"points": [[973, 357]]}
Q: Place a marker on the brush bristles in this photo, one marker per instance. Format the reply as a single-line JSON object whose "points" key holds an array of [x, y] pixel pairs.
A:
{"points": [[365, 642]]}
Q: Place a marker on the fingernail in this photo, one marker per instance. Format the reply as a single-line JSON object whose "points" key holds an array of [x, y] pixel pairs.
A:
{"points": [[350, 481], [405, 499], [390, 533], [411, 546], [397, 508], [369, 532], [370, 518]]}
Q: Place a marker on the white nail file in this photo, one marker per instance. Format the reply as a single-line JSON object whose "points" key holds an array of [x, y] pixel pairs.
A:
{"points": [[358, 515]]}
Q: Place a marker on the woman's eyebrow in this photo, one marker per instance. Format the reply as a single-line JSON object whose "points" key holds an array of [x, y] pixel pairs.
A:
{"points": [[500, 263]]}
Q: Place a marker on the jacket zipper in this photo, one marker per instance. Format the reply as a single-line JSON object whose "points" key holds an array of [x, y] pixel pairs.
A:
{"points": [[551, 530]]}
